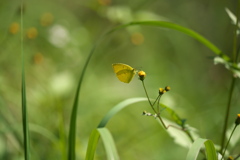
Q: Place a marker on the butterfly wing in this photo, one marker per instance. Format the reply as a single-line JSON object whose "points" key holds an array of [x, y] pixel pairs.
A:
{"points": [[124, 72]]}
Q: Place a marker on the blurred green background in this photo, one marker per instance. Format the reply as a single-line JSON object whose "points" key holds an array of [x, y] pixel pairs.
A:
{"points": [[57, 37]]}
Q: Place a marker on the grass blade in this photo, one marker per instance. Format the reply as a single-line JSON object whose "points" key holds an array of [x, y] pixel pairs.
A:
{"points": [[108, 142], [72, 129], [118, 108], [107, 138], [92, 144], [24, 100], [176, 27], [196, 146]]}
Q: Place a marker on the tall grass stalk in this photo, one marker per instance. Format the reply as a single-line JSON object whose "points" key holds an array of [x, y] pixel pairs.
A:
{"points": [[72, 129], [234, 58], [24, 99]]}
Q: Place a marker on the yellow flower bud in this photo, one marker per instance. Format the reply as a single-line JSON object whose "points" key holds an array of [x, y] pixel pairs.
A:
{"points": [[230, 158], [141, 75], [167, 88], [237, 122], [161, 91]]}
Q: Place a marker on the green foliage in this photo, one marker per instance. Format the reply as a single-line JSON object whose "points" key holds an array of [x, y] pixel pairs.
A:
{"points": [[196, 147], [53, 46]]}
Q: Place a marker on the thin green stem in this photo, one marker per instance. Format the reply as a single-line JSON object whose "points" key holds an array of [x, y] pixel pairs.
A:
{"points": [[227, 114], [235, 38], [148, 96], [228, 141], [234, 57], [156, 100], [158, 104]]}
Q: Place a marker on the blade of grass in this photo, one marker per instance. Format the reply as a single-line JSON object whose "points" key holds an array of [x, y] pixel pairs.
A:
{"points": [[176, 27], [92, 144], [108, 142], [118, 108], [93, 140], [24, 101], [72, 129], [196, 147]]}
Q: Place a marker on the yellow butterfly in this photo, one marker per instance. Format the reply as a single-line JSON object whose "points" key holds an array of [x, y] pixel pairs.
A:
{"points": [[124, 72]]}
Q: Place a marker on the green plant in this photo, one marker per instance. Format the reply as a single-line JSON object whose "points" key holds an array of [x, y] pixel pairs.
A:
{"points": [[179, 123]]}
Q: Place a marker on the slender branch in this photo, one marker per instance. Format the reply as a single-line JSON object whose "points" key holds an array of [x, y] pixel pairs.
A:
{"points": [[148, 97], [227, 114], [228, 141], [158, 104], [156, 100]]}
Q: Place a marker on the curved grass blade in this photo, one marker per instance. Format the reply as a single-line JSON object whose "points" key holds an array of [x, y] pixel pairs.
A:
{"points": [[108, 142], [196, 146], [176, 27], [93, 140], [92, 144], [118, 108], [24, 100], [72, 129]]}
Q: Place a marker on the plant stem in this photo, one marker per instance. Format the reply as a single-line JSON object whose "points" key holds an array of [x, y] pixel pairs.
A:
{"points": [[228, 141], [158, 105], [148, 96], [227, 114], [235, 38], [234, 57], [159, 117]]}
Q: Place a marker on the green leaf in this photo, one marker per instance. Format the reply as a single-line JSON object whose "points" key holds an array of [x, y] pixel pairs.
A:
{"points": [[24, 100], [196, 147], [108, 142], [179, 28], [174, 116], [118, 108], [92, 144], [72, 128]]}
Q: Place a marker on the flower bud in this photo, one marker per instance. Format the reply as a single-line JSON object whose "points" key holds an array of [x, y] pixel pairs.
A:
{"points": [[161, 91], [141, 75], [237, 121], [144, 113], [167, 88]]}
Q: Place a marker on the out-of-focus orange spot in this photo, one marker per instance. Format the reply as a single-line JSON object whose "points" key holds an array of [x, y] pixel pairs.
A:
{"points": [[137, 38], [32, 33], [104, 2], [38, 58], [14, 28], [46, 19]]}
